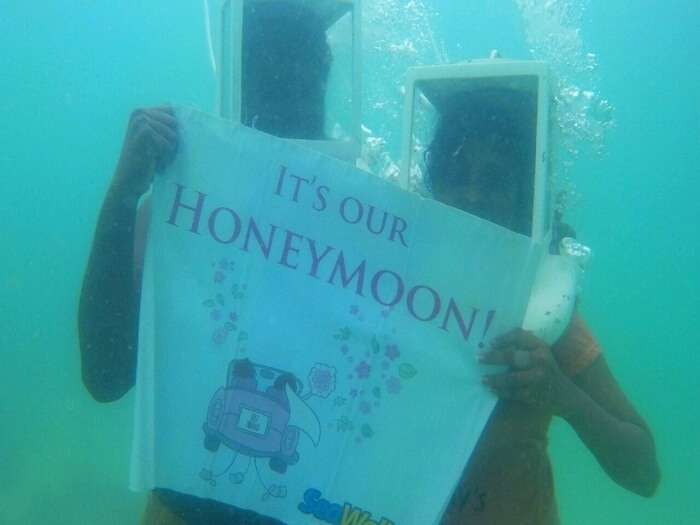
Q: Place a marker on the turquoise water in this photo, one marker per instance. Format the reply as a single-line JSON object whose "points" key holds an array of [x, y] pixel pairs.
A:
{"points": [[73, 70]]}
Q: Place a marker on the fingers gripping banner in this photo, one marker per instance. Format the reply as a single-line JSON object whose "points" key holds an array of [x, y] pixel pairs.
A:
{"points": [[308, 333]]}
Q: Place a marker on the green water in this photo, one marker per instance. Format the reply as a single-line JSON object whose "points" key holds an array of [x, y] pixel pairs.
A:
{"points": [[70, 73]]}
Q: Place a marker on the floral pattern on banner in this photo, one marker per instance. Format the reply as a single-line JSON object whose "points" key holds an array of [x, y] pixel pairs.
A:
{"points": [[374, 373], [225, 305], [369, 375], [262, 383], [322, 380]]}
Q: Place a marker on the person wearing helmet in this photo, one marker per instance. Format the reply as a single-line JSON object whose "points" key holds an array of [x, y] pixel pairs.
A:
{"points": [[286, 61], [480, 160]]}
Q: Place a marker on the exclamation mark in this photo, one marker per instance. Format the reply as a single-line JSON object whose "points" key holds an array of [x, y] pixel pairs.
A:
{"points": [[489, 319]]}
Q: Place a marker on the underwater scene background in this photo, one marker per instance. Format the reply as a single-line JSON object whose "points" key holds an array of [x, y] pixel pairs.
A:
{"points": [[629, 87]]}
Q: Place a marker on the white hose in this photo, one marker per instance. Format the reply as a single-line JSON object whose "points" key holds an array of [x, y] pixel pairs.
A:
{"points": [[207, 30]]}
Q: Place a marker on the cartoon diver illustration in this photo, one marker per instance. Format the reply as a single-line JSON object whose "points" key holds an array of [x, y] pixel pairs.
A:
{"points": [[259, 414]]}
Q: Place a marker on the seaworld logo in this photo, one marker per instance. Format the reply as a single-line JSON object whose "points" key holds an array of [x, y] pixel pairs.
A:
{"points": [[335, 513]]}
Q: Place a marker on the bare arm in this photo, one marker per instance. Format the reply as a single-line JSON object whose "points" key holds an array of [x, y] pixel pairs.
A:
{"points": [[108, 312], [109, 299], [592, 403], [610, 427]]}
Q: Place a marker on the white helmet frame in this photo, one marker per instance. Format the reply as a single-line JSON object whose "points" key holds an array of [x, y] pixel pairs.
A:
{"points": [[230, 63], [436, 84]]}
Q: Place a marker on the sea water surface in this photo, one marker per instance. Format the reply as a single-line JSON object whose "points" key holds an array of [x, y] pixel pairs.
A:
{"points": [[71, 71]]}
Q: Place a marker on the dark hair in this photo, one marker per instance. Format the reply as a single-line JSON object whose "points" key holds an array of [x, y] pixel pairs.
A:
{"points": [[506, 117], [286, 61]]}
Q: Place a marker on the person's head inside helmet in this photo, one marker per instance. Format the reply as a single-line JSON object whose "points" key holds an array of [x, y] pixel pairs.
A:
{"points": [[482, 156], [286, 60]]}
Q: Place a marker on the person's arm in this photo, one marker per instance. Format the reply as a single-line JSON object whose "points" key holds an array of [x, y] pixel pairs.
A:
{"points": [[592, 403], [610, 427], [109, 299]]}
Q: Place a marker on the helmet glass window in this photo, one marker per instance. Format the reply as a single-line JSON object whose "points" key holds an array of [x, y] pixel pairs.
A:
{"points": [[288, 63], [476, 146]]}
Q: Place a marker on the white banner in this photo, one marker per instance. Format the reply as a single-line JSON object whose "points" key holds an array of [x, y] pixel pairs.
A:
{"points": [[308, 333]]}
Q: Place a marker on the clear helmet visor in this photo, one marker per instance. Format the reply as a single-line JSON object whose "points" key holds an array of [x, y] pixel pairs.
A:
{"points": [[288, 67], [478, 139]]}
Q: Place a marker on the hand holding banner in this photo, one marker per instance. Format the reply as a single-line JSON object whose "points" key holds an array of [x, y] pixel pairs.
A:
{"points": [[308, 333]]}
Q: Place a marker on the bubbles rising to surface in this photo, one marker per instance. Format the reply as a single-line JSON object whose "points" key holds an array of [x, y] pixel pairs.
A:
{"points": [[583, 117], [397, 34]]}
